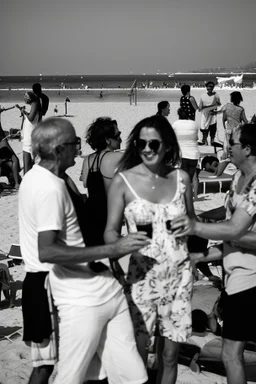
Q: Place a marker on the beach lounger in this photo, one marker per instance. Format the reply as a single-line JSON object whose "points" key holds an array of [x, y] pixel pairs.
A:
{"points": [[10, 333], [207, 177], [15, 254]]}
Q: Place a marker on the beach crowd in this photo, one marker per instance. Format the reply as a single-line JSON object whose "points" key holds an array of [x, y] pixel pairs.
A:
{"points": [[80, 309]]}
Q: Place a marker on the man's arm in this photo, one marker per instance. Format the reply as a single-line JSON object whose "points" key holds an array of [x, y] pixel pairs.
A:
{"points": [[50, 251]]}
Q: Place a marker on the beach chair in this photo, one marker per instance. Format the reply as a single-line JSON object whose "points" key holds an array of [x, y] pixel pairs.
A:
{"points": [[15, 254], [208, 178], [10, 333]]}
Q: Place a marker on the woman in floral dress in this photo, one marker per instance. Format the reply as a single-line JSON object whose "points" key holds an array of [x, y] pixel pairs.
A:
{"points": [[150, 190]]}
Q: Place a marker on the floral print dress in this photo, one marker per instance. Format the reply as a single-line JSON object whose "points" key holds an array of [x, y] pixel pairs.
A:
{"points": [[159, 279]]}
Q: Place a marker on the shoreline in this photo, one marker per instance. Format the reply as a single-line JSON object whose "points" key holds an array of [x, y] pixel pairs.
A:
{"points": [[162, 89], [121, 96]]}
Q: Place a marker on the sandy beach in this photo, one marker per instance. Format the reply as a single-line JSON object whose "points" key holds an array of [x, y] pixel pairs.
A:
{"points": [[15, 365]]}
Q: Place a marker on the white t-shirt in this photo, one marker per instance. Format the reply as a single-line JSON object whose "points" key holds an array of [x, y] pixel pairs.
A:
{"points": [[200, 340], [207, 118], [45, 205], [28, 127], [187, 136]]}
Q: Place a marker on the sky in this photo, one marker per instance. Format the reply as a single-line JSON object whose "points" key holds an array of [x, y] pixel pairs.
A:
{"points": [[91, 37]]}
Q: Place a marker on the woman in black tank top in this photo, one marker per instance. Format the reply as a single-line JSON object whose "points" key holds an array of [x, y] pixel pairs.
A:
{"points": [[98, 168]]}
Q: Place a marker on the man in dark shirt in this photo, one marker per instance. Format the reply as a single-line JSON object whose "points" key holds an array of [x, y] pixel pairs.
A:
{"points": [[44, 100]]}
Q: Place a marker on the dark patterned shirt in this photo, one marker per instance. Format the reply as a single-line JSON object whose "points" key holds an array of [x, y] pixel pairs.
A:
{"points": [[187, 106]]}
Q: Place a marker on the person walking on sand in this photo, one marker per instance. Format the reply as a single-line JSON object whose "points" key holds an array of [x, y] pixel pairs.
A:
{"points": [[187, 102], [208, 103], [238, 233], [43, 98], [67, 100], [95, 326], [149, 190], [31, 119], [55, 110]]}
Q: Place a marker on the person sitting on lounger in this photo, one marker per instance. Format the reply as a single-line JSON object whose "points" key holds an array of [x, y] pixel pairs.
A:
{"points": [[211, 345], [9, 162], [6, 284]]}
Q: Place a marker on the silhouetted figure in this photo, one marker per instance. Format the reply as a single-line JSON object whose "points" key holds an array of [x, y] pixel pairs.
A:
{"points": [[44, 100], [67, 100]]}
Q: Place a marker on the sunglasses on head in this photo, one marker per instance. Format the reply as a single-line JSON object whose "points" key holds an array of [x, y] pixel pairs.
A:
{"points": [[116, 136], [76, 142], [153, 144]]}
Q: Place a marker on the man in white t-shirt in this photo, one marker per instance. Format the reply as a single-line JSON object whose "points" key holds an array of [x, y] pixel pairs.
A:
{"points": [[96, 332], [208, 104]]}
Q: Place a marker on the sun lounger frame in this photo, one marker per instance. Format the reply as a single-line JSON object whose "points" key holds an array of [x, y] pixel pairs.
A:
{"points": [[207, 177]]}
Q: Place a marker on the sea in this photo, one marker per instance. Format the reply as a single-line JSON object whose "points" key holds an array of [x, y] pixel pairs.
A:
{"points": [[111, 87]]}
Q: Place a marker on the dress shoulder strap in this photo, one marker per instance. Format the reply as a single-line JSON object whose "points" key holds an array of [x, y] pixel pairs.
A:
{"points": [[129, 185], [96, 159]]}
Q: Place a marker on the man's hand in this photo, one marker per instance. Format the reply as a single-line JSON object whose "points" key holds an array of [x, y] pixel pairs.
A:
{"points": [[130, 243]]}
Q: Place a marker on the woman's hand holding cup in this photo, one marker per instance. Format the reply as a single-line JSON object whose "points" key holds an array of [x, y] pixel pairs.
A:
{"points": [[183, 226]]}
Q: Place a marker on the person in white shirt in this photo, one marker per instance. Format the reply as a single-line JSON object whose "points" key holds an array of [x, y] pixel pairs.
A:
{"points": [[186, 131], [208, 104], [95, 325]]}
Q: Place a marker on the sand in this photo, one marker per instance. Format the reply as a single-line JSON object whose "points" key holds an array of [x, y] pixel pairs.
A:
{"points": [[15, 365]]}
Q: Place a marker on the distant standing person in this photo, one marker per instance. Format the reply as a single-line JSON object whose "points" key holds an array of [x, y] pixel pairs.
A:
{"points": [[209, 102], [55, 110], [67, 100], [31, 119], [44, 100], [163, 108], [233, 115], [187, 102]]}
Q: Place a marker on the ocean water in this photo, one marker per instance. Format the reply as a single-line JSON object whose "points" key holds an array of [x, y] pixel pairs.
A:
{"points": [[115, 87], [115, 81]]}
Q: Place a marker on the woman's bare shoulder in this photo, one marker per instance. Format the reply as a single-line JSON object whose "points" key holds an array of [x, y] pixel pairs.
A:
{"points": [[182, 174]]}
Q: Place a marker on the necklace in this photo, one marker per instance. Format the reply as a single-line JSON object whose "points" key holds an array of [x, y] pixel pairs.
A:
{"points": [[154, 183], [152, 176]]}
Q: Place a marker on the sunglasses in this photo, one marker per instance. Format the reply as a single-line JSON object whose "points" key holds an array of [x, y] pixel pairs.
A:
{"points": [[153, 144], [116, 136], [76, 142], [232, 143]]}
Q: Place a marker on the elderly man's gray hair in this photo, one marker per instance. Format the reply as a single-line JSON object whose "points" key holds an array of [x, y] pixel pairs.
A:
{"points": [[48, 135]]}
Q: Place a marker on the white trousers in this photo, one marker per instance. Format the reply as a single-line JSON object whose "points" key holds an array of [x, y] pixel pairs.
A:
{"points": [[96, 342]]}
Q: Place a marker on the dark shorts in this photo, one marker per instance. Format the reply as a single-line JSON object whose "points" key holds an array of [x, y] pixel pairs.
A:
{"points": [[189, 166], [239, 316], [35, 308]]}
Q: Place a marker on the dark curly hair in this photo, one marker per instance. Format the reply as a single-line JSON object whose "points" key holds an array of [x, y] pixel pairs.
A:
{"points": [[131, 156], [101, 129]]}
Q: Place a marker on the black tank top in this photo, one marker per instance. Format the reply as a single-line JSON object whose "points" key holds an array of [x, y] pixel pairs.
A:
{"points": [[97, 202], [95, 179]]}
